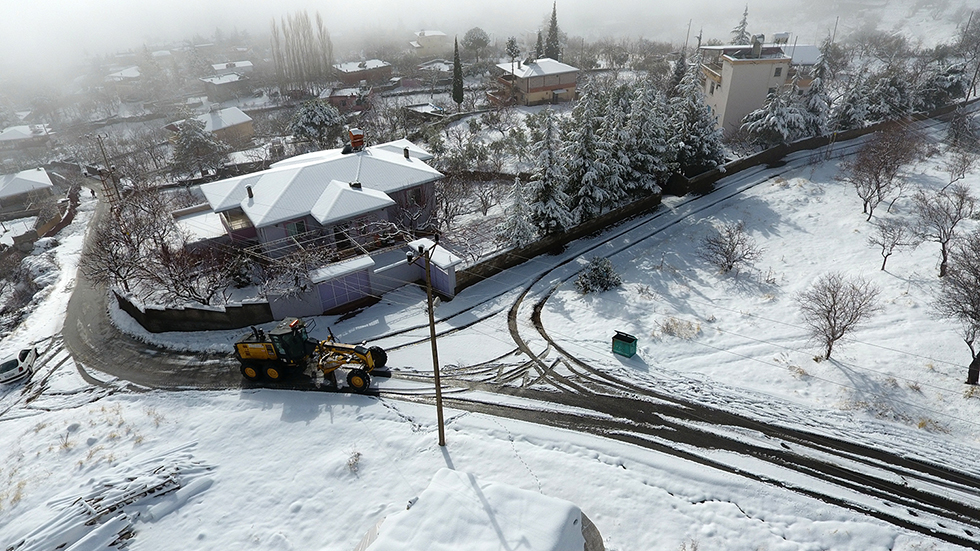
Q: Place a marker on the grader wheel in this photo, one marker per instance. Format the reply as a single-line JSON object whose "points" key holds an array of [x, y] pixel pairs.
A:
{"points": [[273, 372], [379, 356], [359, 380], [251, 371]]}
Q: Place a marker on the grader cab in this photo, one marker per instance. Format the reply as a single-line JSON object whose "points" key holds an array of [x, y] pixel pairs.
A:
{"points": [[288, 349]]}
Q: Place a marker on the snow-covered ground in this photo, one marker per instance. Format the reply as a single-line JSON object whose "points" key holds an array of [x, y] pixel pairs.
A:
{"points": [[271, 469]]}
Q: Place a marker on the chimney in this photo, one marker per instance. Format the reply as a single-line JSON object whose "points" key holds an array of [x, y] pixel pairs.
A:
{"points": [[405, 151], [757, 41], [355, 185], [356, 139], [248, 190]]}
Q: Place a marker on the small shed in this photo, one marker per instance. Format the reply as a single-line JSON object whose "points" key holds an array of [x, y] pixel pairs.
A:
{"points": [[442, 269]]}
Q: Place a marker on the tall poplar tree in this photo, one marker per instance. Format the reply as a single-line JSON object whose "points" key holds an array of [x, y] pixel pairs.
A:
{"points": [[457, 77]]}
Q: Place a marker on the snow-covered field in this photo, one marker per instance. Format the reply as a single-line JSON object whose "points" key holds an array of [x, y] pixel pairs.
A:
{"points": [[268, 469]]}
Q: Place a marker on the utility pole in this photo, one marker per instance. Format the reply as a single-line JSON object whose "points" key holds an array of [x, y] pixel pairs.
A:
{"points": [[108, 175], [427, 255]]}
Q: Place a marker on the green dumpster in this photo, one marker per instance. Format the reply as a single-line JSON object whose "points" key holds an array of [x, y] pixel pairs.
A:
{"points": [[624, 344]]}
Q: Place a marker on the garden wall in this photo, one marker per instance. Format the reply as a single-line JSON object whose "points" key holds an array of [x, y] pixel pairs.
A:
{"points": [[552, 243], [158, 320]]}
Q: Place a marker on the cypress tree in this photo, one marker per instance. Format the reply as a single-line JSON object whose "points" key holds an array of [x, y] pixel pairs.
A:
{"points": [[457, 77], [552, 46]]}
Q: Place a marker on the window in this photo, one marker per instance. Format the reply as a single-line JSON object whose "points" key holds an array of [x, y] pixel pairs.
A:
{"points": [[295, 228], [779, 72]]}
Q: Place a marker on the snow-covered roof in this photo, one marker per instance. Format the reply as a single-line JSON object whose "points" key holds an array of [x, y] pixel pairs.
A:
{"points": [[339, 269], [223, 79], [232, 66], [741, 51], [200, 226], [340, 92], [160, 53], [382, 167], [398, 146], [313, 184], [23, 182], [458, 511], [23, 132], [803, 54], [343, 201], [355, 66], [538, 68], [439, 65], [429, 33], [440, 256], [126, 74], [223, 118]]}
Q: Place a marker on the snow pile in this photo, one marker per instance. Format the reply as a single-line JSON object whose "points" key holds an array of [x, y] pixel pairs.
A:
{"points": [[458, 511]]}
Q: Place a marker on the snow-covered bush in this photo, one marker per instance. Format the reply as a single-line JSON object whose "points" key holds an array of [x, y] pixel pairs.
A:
{"points": [[598, 276]]}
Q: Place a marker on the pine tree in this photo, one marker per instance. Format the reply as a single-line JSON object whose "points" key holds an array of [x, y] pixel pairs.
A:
{"points": [[457, 77], [816, 108], [891, 97], [197, 148], [740, 34], [853, 109], [649, 153], [781, 120], [696, 141], [680, 69], [539, 47], [319, 122], [584, 187], [552, 46], [518, 229], [615, 141], [546, 196]]}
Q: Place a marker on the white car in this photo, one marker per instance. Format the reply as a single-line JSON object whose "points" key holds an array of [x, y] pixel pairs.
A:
{"points": [[21, 365]]}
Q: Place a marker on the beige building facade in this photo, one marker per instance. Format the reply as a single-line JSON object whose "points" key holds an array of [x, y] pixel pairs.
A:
{"points": [[738, 79]]}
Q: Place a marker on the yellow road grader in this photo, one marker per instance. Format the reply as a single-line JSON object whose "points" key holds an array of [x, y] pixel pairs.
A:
{"points": [[288, 349]]}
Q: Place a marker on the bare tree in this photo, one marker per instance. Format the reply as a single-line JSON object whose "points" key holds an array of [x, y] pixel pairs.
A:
{"points": [[959, 163], [959, 297], [186, 274], [892, 234], [452, 199], [488, 195], [874, 171], [729, 248], [834, 305], [115, 257], [939, 213]]}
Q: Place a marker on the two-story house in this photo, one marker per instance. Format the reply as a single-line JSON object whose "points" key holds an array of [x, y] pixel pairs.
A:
{"points": [[534, 81]]}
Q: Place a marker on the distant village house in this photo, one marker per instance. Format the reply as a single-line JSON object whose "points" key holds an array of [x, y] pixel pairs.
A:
{"points": [[534, 82]]}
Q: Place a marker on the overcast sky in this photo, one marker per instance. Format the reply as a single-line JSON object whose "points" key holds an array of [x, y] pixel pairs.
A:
{"points": [[49, 33]]}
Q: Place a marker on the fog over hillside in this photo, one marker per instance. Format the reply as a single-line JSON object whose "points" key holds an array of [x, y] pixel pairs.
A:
{"points": [[38, 39]]}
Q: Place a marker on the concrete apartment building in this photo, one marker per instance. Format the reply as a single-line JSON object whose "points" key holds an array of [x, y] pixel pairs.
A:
{"points": [[739, 78]]}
